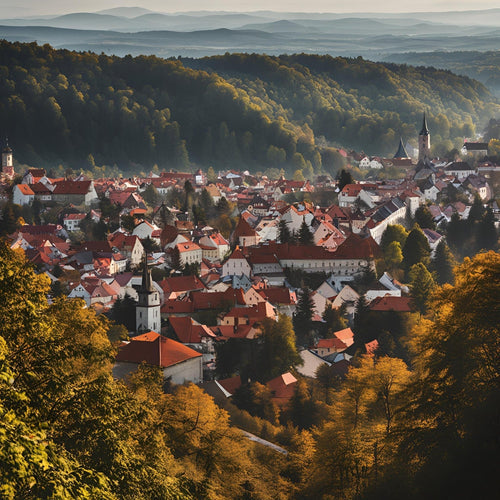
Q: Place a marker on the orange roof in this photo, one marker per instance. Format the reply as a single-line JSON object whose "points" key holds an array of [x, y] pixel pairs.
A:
{"points": [[346, 336], [333, 343], [282, 388], [25, 189], [187, 246], [155, 350], [389, 303], [188, 330], [181, 284], [243, 229]]}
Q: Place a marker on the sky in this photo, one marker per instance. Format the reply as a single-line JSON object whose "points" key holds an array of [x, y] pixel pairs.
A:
{"points": [[36, 7]]}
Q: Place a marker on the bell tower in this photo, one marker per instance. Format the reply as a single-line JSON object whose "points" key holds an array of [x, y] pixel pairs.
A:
{"points": [[147, 312], [424, 142], [7, 162]]}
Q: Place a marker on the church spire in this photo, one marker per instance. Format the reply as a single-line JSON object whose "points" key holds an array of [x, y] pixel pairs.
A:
{"points": [[147, 281], [401, 152], [425, 130]]}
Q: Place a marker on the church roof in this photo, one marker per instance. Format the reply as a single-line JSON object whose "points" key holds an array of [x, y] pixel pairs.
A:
{"points": [[401, 152], [147, 281], [425, 130]]}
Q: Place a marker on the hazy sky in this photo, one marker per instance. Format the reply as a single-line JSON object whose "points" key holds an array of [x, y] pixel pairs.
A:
{"points": [[35, 7]]}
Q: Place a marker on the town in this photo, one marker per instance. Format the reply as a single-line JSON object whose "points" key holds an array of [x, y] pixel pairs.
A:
{"points": [[194, 268]]}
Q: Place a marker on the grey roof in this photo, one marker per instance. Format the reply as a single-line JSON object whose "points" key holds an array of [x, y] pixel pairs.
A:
{"points": [[425, 130], [401, 152]]}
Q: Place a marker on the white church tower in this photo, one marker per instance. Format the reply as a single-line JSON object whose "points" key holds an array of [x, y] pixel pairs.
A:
{"points": [[147, 312], [7, 163]]}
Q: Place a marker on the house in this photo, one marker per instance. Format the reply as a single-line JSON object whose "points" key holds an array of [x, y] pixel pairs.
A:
{"points": [[195, 335], [74, 192], [179, 285], [214, 247], [476, 149], [190, 253], [282, 388], [22, 194], [236, 264], [144, 230], [244, 234], [459, 169], [311, 363], [72, 221], [129, 246], [179, 363]]}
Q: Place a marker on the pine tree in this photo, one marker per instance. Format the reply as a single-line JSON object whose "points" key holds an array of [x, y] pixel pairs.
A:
{"points": [[8, 222], [416, 248], [362, 326], [476, 211], [344, 177], [284, 235], [486, 232], [305, 234], [443, 263], [302, 320], [421, 286], [423, 217]]}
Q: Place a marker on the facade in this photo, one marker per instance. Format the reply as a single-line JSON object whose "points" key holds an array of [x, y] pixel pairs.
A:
{"points": [[22, 194], [7, 162]]}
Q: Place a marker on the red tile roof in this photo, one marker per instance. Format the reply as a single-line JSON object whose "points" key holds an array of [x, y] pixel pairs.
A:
{"points": [[25, 189], [181, 284], [188, 330], [282, 388], [388, 303], [72, 187], [155, 350]]}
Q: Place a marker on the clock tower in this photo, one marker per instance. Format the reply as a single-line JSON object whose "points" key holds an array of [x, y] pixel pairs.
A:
{"points": [[147, 312]]}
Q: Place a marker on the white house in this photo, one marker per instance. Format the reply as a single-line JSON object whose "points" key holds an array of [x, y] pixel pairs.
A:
{"points": [[22, 194], [236, 264]]}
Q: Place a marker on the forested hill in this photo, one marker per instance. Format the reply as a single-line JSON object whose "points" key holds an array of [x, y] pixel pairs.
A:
{"points": [[251, 111]]}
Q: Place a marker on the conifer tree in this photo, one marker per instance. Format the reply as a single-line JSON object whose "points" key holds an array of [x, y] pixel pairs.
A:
{"points": [[423, 217], [362, 326], [416, 248], [443, 263], [421, 286], [302, 320], [305, 234], [284, 235], [486, 232], [476, 211]]}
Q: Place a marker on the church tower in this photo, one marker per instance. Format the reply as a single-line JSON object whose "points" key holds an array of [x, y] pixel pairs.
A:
{"points": [[147, 312], [7, 163], [424, 142]]}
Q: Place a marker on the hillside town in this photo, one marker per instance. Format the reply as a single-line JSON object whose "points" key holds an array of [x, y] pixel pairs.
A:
{"points": [[189, 263]]}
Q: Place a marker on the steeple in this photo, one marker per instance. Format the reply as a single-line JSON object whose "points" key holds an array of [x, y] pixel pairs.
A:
{"points": [[147, 312], [147, 281], [425, 130], [424, 141], [401, 152]]}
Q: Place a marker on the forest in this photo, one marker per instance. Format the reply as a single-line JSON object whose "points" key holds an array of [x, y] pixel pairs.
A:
{"points": [[80, 109], [423, 427]]}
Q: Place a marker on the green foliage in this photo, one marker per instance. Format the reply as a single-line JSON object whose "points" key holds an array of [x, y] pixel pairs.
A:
{"points": [[344, 177], [423, 217], [245, 109], [416, 248], [305, 234], [442, 264], [302, 319], [421, 286]]}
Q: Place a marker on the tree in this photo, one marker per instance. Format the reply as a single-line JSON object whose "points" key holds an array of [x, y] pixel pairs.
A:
{"points": [[305, 234], [151, 195], [486, 232], [476, 210], [453, 411], [393, 255], [175, 259], [344, 177], [278, 353], [284, 234], [8, 222], [334, 319], [362, 325], [298, 175], [302, 319], [423, 217], [442, 264], [393, 232], [421, 286], [416, 248], [211, 175]]}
